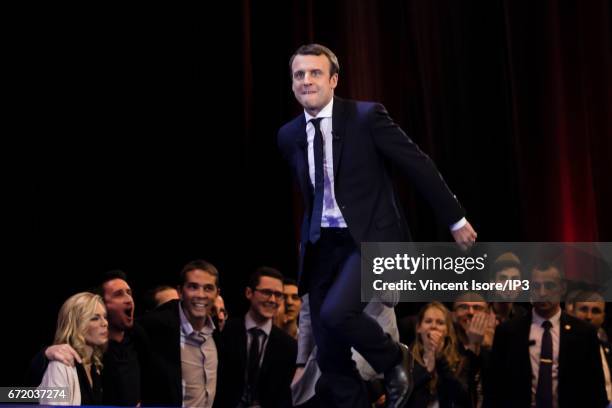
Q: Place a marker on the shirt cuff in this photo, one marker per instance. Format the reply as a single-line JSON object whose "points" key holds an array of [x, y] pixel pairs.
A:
{"points": [[458, 225]]}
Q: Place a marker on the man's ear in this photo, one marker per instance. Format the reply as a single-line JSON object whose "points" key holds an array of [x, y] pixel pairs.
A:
{"points": [[334, 81], [563, 288], [179, 289], [248, 292]]}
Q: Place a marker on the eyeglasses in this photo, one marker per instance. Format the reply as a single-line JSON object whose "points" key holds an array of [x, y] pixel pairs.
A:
{"points": [[269, 292], [463, 307]]}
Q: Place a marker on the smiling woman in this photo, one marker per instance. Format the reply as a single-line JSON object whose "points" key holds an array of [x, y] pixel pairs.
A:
{"points": [[82, 324]]}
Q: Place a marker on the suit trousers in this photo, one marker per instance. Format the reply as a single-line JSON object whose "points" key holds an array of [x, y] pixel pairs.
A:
{"points": [[333, 265]]}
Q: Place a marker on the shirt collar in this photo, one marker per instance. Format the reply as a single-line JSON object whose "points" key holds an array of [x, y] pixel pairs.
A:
{"points": [[249, 323], [187, 328], [326, 112], [537, 319]]}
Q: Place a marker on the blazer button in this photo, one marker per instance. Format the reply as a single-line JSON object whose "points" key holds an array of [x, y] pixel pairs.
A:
{"points": [[342, 207]]}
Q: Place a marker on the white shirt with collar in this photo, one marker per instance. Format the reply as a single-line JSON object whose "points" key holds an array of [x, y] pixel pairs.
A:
{"points": [[266, 327], [207, 361], [536, 332], [332, 216]]}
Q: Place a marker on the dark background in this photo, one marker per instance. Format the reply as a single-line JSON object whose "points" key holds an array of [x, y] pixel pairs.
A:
{"points": [[146, 137]]}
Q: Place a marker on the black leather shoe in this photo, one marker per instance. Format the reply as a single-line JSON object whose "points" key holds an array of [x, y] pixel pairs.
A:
{"points": [[398, 381]]}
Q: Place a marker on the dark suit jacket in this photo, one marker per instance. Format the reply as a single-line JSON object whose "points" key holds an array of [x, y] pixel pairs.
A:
{"points": [[276, 371], [365, 142], [581, 383], [162, 374]]}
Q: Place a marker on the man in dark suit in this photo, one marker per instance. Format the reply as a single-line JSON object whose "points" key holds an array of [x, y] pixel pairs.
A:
{"points": [[182, 365], [257, 358], [339, 152], [546, 358], [590, 307]]}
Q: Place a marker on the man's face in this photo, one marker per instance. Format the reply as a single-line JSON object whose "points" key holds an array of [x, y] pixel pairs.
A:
{"points": [[546, 291], [165, 295], [219, 310], [265, 298], [119, 304], [464, 311], [198, 294], [505, 275], [293, 302], [592, 312], [313, 86]]}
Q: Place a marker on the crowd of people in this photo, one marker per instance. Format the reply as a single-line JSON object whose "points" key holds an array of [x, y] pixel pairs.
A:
{"points": [[184, 351]]}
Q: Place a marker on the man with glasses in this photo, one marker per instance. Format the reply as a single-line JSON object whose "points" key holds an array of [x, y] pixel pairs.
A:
{"points": [[258, 358], [475, 327], [475, 323]]}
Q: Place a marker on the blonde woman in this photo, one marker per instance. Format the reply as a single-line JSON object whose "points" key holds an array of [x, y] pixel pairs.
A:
{"points": [[82, 324], [439, 371]]}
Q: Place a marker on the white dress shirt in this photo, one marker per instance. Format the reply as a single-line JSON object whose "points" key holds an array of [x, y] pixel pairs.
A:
{"points": [[199, 363], [332, 216]]}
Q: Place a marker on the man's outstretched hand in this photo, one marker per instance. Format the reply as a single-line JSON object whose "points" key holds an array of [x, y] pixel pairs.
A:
{"points": [[465, 236]]}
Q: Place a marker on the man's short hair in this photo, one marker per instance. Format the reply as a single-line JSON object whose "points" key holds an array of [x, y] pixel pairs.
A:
{"points": [[149, 299], [587, 296], [290, 282], [571, 296], [499, 266], [264, 271], [544, 265], [106, 277], [201, 265], [469, 297], [317, 49]]}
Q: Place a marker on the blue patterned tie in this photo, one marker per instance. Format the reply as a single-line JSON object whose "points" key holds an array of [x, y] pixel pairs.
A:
{"points": [[317, 205], [544, 392]]}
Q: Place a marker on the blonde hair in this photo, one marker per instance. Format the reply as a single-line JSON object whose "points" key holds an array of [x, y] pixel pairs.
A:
{"points": [[72, 321], [449, 350]]}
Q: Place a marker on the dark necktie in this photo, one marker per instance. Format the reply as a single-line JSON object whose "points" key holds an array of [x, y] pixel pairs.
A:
{"points": [[253, 363], [317, 205], [544, 392]]}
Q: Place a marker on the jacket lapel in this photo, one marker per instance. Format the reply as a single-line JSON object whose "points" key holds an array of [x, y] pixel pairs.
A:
{"points": [[301, 161], [338, 127], [521, 350], [565, 333], [241, 343]]}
